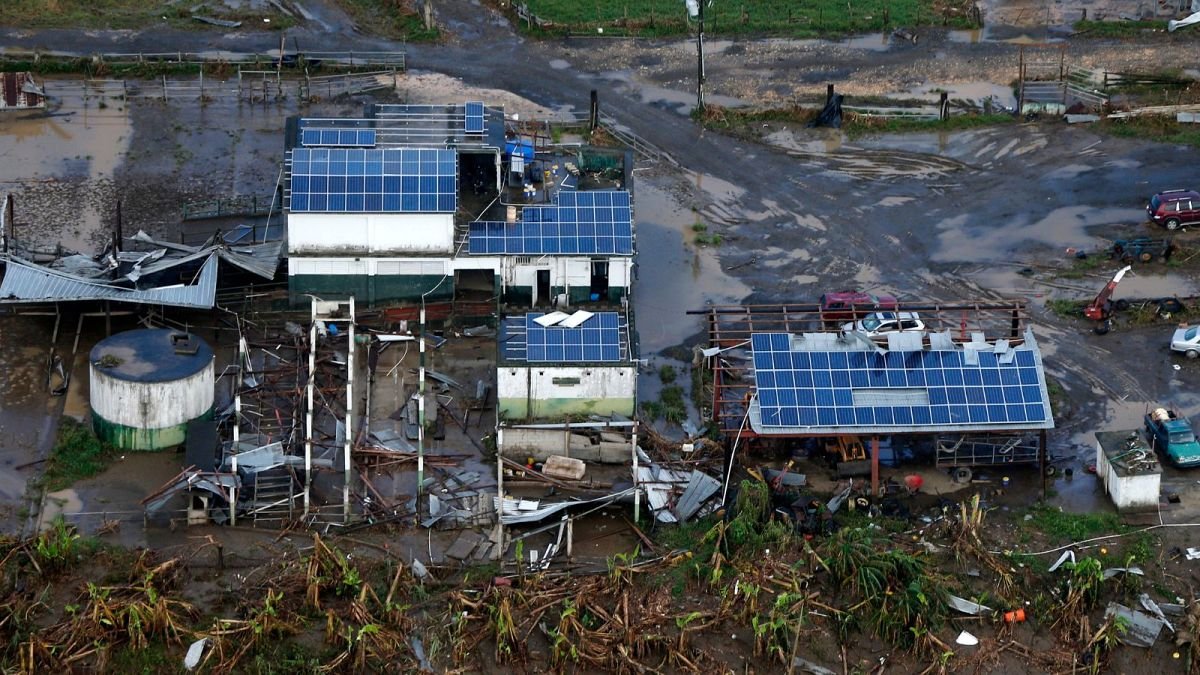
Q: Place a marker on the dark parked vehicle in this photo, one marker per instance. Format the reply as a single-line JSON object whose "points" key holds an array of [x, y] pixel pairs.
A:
{"points": [[1175, 208], [848, 306]]}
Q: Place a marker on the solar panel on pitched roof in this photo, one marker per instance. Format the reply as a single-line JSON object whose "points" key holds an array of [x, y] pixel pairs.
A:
{"points": [[474, 122]]}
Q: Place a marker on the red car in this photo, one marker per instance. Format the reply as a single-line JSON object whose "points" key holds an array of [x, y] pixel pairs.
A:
{"points": [[1174, 208], [844, 306]]}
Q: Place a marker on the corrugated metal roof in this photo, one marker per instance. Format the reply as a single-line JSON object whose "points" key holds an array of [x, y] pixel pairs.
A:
{"points": [[26, 283]]}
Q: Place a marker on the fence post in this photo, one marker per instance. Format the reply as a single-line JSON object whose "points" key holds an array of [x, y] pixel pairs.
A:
{"points": [[164, 81], [944, 107], [594, 120], [828, 93]]}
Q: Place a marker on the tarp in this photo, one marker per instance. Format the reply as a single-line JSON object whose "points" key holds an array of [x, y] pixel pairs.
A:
{"points": [[831, 115]]}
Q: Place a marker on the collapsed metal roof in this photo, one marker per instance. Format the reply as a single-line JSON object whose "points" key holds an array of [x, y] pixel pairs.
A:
{"points": [[27, 283]]}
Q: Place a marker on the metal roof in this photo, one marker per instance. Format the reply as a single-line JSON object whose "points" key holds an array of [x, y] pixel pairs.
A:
{"points": [[27, 283], [258, 259], [151, 355], [460, 125]]}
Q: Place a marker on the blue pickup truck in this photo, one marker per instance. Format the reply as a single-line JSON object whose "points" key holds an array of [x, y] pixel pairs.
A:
{"points": [[1173, 436]]}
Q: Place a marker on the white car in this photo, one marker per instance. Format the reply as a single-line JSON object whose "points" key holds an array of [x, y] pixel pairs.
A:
{"points": [[1187, 340], [882, 323]]}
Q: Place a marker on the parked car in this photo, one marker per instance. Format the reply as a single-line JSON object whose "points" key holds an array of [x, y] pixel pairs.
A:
{"points": [[1186, 341], [1172, 435], [1175, 208], [882, 323], [842, 306]]}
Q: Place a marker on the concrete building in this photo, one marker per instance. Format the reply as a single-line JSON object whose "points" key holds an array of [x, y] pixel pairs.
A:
{"points": [[1129, 470], [390, 208], [556, 366]]}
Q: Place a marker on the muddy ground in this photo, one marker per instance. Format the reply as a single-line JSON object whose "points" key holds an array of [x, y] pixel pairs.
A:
{"points": [[946, 217]]}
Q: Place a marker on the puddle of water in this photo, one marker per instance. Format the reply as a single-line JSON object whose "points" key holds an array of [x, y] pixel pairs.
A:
{"points": [[1151, 285], [674, 277], [1060, 228], [70, 145], [681, 100], [878, 42], [559, 64], [822, 141], [967, 91]]}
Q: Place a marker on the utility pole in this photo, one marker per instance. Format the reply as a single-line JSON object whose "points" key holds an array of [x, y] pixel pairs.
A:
{"points": [[695, 9]]}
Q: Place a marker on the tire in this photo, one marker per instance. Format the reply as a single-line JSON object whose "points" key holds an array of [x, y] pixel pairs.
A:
{"points": [[961, 475], [1146, 257], [1172, 223], [1170, 306], [1121, 305], [1102, 328], [1192, 353]]}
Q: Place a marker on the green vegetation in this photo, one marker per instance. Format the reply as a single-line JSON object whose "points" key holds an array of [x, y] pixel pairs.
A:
{"points": [[699, 227], [709, 239], [77, 454], [651, 18], [1064, 527], [856, 126], [667, 373], [669, 407], [1067, 309], [1152, 128], [1085, 266], [394, 19], [1118, 29], [124, 14]]}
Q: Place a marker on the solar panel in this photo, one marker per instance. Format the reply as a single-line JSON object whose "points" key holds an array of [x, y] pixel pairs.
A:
{"points": [[333, 138], [579, 223], [893, 389], [474, 123], [596, 340], [388, 180]]}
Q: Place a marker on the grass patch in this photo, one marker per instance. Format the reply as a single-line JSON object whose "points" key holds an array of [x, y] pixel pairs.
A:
{"points": [[667, 373], [1158, 128], [390, 19], [1063, 526], [1082, 267], [1118, 29], [654, 18], [1067, 309], [77, 454], [126, 14], [856, 126], [669, 406], [709, 239]]}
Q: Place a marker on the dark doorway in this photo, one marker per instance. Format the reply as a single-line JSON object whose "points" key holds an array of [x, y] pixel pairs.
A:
{"points": [[541, 295], [599, 285], [476, 285]]}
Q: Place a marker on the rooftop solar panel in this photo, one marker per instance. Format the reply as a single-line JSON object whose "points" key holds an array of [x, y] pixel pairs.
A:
{"points": [[894, 389], [335, 138], [474, 122], [580, 223], [388, 180], [596, 340]]}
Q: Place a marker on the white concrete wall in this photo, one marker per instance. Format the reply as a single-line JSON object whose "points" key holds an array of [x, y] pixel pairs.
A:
{"points": [[151, 405], [555, 391], [1128, 493], [564, 271], [370, 233], [300, 266]]}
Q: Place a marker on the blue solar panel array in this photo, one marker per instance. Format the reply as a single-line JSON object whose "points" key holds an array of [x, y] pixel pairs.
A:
{"points": [[474, 123], [344, 138], [596, 340], [807, 389], [585, 223], [388, 180]]}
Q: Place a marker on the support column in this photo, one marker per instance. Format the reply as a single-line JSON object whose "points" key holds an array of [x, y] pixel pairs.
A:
{"points": [[874, 467], [349, 440]]}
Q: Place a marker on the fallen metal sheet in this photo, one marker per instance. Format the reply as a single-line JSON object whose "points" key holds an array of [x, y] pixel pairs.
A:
{"points": [[433, 374], [810, 667], [1114, 571], [462, 547], [26, 283], [967, 606], [1152, 607], [1067, 556], [1142, 629], [966, 639], [790, 479], [511, 515], [1073, 118], [657, 494], [260, 459], [700, 487], [547, 320], [216, 483]]}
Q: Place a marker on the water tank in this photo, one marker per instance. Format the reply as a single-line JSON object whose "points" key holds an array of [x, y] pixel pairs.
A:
{"points": [[146, 385]]}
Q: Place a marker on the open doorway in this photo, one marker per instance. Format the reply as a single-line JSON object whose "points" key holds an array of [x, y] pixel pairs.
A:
{"points": [[541, 292], [598, 290]]}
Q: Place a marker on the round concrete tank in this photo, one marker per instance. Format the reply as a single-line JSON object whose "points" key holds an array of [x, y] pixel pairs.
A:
{"points": [[146, 385]]}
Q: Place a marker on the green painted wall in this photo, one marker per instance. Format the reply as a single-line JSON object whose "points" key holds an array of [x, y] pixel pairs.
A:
{"points": [[367, 290], [129, 438], [554, 408]]}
